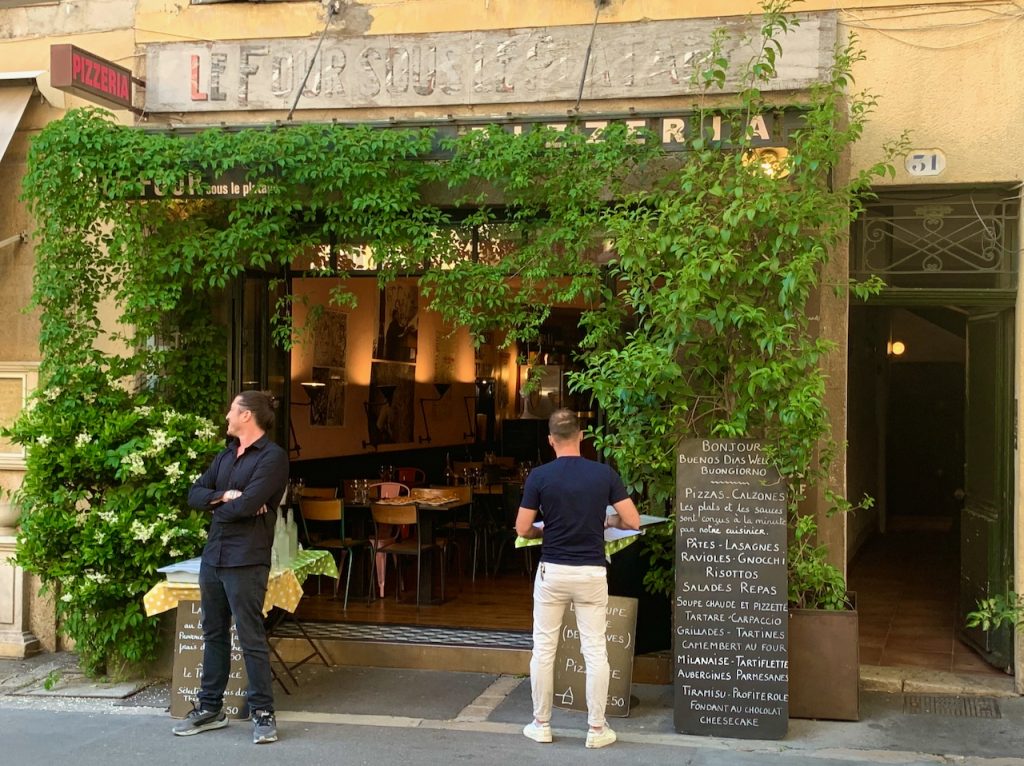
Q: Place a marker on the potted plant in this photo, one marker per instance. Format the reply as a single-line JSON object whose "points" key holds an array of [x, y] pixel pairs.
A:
{"points": [[824, 656]]}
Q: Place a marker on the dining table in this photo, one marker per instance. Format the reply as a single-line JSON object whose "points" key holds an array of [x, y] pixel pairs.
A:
{"points": [[431, 510]]}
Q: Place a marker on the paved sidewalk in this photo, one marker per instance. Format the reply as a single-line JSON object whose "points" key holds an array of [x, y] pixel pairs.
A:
{"points": [[480, 703]]}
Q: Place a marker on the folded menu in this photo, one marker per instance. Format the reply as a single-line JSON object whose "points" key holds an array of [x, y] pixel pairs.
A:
{"points": [[185, 572]]}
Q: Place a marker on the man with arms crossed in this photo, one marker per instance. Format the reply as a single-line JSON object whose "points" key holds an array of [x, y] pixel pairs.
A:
{"points": [[573, 494], [241, 488]]}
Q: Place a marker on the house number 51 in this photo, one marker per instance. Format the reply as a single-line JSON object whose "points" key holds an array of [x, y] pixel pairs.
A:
{"points": [[925, 162]]}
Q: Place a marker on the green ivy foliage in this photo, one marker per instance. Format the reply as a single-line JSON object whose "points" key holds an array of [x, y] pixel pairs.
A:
{"points": [[94, 530], [104, 503], [702, 323]]}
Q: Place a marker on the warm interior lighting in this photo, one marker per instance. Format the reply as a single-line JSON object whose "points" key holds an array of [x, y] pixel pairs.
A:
{"points": [[313, 388], [771, 161], [896, 348]]}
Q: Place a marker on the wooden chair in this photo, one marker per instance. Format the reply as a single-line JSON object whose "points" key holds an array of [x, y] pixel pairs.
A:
{"points": [[330, 514], [388, 516], [414, 477], [385, 490]]}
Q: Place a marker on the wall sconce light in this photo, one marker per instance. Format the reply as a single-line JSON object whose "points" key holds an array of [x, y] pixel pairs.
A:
{"points": [[895, 348], [442, 389], [316, 391], [313, 388]]}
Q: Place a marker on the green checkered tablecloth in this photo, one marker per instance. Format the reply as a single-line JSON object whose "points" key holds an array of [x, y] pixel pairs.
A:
{"points": [[610, 546], [312, 562]]}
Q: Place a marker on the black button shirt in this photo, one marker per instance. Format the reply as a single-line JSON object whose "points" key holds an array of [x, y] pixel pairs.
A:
{"points": [[239, 535]]}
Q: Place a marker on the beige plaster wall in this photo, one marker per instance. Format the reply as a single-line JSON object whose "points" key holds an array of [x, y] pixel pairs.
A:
{"points": [[162, 20], [70, 17], [952, 88]]}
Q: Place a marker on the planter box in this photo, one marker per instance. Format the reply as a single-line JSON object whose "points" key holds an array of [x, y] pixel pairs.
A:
{"points": [[824, 664]]}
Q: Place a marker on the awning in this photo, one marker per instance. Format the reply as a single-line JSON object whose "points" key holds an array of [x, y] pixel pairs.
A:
{"points": [[16, 88], [13, 100]]}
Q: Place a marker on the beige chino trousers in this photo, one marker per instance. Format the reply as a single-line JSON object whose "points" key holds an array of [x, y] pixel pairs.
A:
{"points": [[586, 588]]}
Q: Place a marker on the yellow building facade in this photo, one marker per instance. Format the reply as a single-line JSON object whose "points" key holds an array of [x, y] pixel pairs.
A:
{"points": [[943, 73]]}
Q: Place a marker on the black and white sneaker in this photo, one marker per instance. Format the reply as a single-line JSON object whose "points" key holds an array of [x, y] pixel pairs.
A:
{"points": [[264, 727], [200, 720]]}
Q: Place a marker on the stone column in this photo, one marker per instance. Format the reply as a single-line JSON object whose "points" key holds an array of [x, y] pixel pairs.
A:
{"points": [[15, 639]]}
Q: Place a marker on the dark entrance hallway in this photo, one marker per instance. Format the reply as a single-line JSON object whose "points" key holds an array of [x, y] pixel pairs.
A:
{"points": [[907, 434]]}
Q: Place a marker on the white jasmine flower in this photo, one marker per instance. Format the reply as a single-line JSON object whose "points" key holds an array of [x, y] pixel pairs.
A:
{"points": [[134, 464], [165, 537], [174, 552], [191, 454], [82, 439], [206, 431], [43, 440], [97, 577], [143, 410], [193, 478], [160, 440], [108, 517], [141, 532], [67, 598], [173, 471], [52, 393]]}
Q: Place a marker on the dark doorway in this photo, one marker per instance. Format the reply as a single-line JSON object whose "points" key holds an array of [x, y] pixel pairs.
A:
{"points": [[924, 442], [908, 410]]}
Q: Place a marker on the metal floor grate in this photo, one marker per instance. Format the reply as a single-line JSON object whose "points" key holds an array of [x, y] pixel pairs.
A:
{"points": [[960, 707], [409, 634]]}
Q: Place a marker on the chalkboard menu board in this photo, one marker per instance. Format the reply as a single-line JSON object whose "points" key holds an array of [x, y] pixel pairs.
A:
{"points": [[188, 665], [571, 669], [731, 619]]}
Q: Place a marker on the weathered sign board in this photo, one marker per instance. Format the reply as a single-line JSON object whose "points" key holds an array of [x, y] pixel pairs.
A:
{"points": [[188, 665], [571, 669], [731, 621], [498, 67]]}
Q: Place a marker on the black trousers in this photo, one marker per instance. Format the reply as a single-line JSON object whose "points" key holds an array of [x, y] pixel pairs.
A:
{"points": [[237, 592]]}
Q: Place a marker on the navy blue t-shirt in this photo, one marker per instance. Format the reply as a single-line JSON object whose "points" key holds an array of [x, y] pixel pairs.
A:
{"points": [[573, 493]]}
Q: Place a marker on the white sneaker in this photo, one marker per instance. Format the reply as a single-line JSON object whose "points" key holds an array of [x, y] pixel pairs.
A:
{"points": [[538, 732], [601, 738]]}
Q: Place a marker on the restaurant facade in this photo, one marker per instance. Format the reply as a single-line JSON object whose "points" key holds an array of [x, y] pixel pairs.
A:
{"points": [[387, 383]]}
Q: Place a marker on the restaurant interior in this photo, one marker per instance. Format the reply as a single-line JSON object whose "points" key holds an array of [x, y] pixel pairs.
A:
{"points": [[389, 409]]}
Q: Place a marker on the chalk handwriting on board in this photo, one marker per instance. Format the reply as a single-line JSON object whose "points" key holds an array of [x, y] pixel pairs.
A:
{"points": [[571, 668], [731, 613]]}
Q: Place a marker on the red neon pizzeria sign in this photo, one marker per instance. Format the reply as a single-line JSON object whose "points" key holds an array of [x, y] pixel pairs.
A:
{"points": [[89, 76]]}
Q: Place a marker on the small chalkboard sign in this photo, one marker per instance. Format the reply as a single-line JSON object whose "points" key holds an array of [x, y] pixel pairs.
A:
{"points": [[731, 614], [188, 665], [571, 669]]}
